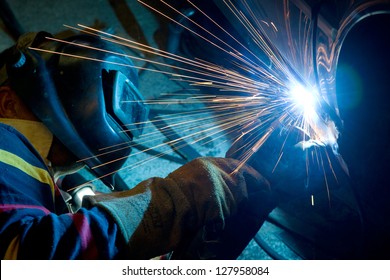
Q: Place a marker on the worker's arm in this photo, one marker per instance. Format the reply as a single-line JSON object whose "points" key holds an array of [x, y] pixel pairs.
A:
{"points": [[207, 201], [207, 209], [31, 226]]}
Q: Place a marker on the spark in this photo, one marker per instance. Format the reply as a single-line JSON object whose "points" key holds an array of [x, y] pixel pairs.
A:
{"points": [[267, 84]]}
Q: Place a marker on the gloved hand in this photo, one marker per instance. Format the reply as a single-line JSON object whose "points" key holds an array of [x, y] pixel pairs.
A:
{"points": [[290, 163], [205, 202], [279, 159]]}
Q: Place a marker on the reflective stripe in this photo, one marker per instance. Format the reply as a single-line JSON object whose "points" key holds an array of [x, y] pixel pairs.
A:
{"points": [[12, 250], [35, 172]]}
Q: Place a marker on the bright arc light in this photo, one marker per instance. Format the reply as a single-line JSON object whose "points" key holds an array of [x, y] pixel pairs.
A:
{"points": [[304, 99]]}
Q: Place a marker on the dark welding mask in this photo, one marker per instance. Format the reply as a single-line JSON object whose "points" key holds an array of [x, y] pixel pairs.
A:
{"points": [[85, 92]]}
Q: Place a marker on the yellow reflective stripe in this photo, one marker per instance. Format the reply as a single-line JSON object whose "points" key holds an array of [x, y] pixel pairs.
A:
{"points": [[12, 250], [35, 172]]}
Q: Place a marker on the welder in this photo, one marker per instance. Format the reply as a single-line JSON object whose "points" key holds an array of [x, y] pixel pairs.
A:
{"points": [[56, 114]]}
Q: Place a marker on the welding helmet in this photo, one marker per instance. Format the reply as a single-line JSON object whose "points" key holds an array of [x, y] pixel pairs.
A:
{"points": [[85, 92]]}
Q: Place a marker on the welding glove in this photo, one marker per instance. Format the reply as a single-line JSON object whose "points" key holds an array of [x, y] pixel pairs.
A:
{"points": [[206, 201], [290, 164], [280, 160]]}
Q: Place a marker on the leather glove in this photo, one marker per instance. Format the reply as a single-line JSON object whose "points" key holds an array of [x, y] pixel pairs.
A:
{"points": [[290, 164], [282, 163], [205, 199]]}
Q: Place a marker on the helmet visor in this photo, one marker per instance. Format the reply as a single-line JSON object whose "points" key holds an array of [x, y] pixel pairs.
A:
{"points": [[125, 103]]}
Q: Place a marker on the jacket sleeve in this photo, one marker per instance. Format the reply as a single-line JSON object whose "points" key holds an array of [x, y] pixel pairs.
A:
{"points": [[31, 226]]}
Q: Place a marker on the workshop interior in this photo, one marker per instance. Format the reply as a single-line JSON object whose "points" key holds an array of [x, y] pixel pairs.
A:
{"points": [[210, 75]]}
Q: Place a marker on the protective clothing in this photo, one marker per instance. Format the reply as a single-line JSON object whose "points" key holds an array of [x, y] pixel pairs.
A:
{"points": [[36, 133], [34, 220], [206, 209]]}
